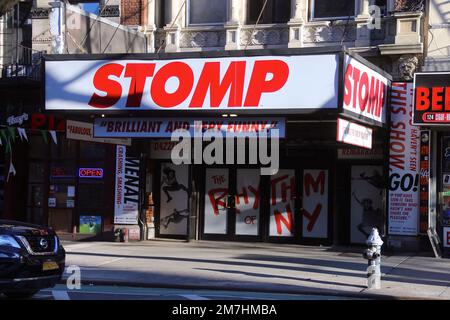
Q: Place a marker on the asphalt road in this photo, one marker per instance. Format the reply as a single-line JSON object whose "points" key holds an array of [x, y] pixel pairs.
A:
{"points": [[92, 292]]}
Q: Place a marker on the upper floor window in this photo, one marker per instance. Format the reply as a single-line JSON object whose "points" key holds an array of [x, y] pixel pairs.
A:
{"points": [[275, 11], [333, 9], [207, 11]]}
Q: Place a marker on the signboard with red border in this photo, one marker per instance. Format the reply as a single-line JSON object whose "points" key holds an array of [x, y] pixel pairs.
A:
{"points": [[431, 98], [95, 173]]}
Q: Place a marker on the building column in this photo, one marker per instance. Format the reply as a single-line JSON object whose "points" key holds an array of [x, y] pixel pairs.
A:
{"points": [[362, 20], [296, 24], [233, 25], [150, 26], [173, 27]]}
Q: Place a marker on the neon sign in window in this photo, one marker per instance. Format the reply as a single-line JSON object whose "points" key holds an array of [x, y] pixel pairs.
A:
{"points": [[90, 173]]}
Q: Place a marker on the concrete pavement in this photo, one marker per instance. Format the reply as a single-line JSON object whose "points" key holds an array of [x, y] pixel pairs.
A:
{"points": [[277, 268]]}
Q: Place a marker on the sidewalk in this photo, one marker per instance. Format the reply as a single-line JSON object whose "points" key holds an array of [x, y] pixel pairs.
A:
{"points": [[263, 267]]}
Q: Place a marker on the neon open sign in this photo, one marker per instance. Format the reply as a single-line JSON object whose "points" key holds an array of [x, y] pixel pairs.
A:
{"points": [[90, 173]]}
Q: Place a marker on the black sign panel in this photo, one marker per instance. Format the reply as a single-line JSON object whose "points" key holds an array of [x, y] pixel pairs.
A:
{"points": [[432, 98]]}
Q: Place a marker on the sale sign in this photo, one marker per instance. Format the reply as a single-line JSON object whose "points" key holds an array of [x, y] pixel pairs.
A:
{"points": [[404, 158], [200, 84], [315, 204], [365, 92]]}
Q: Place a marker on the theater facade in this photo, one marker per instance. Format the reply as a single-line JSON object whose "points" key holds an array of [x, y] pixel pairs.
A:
{"points": [[319, 177]]}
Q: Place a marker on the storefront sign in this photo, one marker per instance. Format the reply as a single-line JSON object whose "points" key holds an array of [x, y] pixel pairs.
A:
{"points": [[298, 82], [90, 173], [315, 204], [431, 98], [83, 131], [367, 185], [47, 122], [17, 120], [446, 236], [282, 203], [174, 199], [161, 149], [126, 200], [365, 92], [164, 127], [425, 136], [360, 154], [404, 164], [355, 134]]}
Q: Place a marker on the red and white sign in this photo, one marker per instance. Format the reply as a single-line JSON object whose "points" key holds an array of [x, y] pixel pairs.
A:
{"points": [[315, 204], [355, 134], [404, 165], [446, 231], [282, 203], [365, 92], [221, 84], [164, 127], [90, 173], [84, 131]]}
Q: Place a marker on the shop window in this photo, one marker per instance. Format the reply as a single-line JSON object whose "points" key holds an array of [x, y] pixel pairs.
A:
{"points": [[275, 11], [61, 196], [62, 170], [35, 195], [36, 171], [65, 148], [207, 11], [90, 197], [91, 150], [322, 9], [37, 147]]}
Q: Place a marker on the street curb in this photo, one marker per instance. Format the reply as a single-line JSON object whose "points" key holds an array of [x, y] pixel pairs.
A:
{"points": [[350, 295]]}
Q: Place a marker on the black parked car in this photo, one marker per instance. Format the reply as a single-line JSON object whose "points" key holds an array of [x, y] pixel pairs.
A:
{"points": [[31, 258]]}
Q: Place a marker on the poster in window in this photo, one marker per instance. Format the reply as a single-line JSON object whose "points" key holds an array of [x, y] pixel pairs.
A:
{"points": [[367, 185], [90, 224], [216, 193], [315, 204], [174, 199], [282, 203], [248, 200]]}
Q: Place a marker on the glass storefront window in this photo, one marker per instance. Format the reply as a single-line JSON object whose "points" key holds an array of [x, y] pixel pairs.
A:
{"points": [[36, 171], [65, 148], [37, 147], [35, 195], [61, 196], [445, 176], [91, 150], [91, 196], [63, 170]]}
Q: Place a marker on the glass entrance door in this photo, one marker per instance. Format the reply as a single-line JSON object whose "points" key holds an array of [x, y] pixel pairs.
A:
{"points": [[232, 202]]}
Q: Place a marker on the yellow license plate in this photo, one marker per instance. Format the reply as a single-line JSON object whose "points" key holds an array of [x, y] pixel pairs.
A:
{"points": [[50, 265]]}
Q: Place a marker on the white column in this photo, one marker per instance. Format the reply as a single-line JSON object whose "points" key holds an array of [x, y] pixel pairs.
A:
{"points": [[150, 27], [233, 25], [296, 24], [362, 20], [172, 27]]}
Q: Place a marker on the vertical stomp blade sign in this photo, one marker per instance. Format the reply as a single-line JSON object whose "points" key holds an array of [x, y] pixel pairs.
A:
{"points": [[126, 199], [315, 204], [404, 164]]}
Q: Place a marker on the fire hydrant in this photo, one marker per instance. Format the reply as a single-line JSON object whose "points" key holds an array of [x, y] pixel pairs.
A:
{"points": [[373, 255]]}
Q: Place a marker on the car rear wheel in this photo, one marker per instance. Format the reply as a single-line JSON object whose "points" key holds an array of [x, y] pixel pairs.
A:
{"points": [[20, 294]]}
